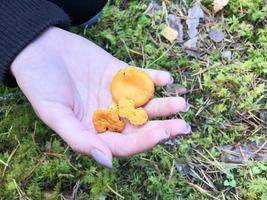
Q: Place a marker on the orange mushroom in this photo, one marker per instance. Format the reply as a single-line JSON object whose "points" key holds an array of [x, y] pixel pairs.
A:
{"points": [[104, 120], [130, 88], [135, 116], [134, 84]]}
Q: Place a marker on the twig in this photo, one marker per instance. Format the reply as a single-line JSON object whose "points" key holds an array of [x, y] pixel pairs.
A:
{"points": [[67, 148], [242, 154], [30, 173], [22, 195], [116, 193], [75, 190], [54, 154], [165, 151], [206, 103], [172, 169], [143, 55], [164, 53], [127, 50], [204, 70], [135, 52], [260, 148], [200, 189], [4, 163], [256, 118], [208, 180], [8, 132], [8, 160]]}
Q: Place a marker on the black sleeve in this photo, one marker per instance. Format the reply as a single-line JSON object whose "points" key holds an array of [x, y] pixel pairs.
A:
{"points": [[21, 21], [80, 11]]}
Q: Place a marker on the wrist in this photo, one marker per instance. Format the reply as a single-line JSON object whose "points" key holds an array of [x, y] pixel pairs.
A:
{"points": [[44, 44]]}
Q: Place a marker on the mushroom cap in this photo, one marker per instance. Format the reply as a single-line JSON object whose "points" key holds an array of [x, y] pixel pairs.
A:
{"points": [[132, 83]]}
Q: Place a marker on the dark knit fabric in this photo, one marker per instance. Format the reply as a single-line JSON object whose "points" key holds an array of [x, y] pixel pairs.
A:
{"points": [[21, 21], [80, 11]]}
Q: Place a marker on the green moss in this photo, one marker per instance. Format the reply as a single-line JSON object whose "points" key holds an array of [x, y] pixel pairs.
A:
{"points": [[221, 96]]}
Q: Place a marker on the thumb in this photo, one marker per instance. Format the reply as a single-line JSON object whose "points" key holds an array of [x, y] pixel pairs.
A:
{"points": [[63, 121]]}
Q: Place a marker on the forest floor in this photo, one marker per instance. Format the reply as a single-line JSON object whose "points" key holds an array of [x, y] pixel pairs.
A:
{"points": [[219, 64]]}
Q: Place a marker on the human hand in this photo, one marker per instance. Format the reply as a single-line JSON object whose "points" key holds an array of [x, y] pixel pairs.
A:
{"points": [[67, 78]]}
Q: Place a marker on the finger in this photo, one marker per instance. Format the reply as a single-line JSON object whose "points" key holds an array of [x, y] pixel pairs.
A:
{"points": [[71, 130], [144, 138], [160, 78], [166, 106], [175, 127], [127, 145]]}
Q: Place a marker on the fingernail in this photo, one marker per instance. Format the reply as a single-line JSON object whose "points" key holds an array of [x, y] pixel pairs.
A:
{"points": [[101, 158], [165, 137], [187, 107], [188, 129], [171, 81]]}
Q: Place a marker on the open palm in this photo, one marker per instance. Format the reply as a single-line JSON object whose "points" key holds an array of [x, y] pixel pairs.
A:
{"points": [[67, 78]]}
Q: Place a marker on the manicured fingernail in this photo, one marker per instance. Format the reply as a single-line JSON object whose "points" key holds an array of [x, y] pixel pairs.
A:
{"points": [[101, 158], [187, 107], [188, 129]]}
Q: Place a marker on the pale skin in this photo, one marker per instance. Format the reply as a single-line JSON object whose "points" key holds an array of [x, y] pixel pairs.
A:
{"points": [[67, 78]]}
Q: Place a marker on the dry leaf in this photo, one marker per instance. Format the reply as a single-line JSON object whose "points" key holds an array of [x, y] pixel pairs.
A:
{"points": [[176, 24], [176, 89], [192, 20], [219, 5], [242, 153], [190, 47], [216, 35], [169, 33], [191, 44]]}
